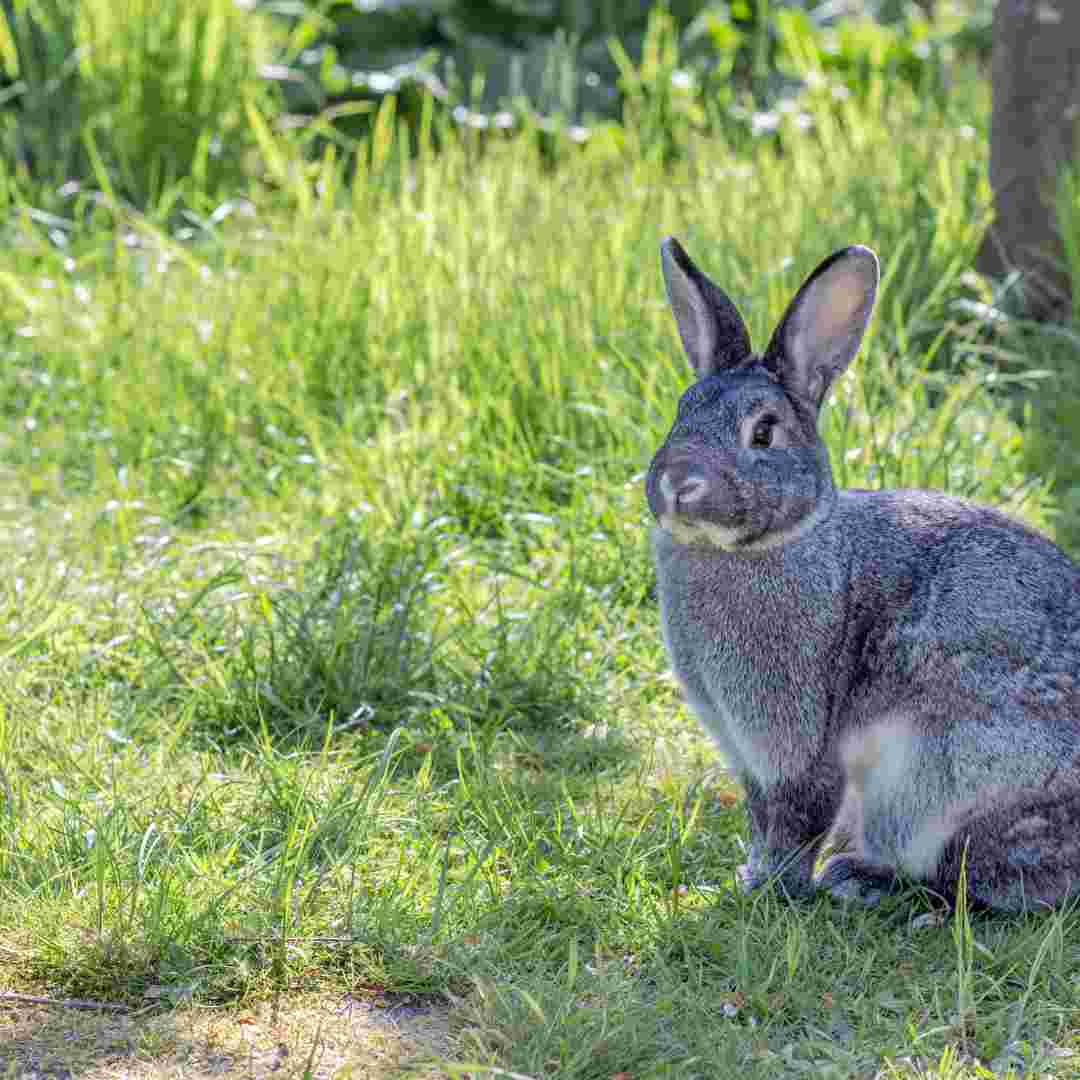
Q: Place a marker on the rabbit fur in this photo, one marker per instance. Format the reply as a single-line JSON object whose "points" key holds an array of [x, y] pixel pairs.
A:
{"points": [[894, 672]]}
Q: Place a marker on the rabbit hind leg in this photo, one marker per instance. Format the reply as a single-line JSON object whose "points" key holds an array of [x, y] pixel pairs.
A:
{"points": [[1024, 855]]}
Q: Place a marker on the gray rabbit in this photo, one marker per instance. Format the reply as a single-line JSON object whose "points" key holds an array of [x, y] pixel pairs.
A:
{"points": [[892, 671]]}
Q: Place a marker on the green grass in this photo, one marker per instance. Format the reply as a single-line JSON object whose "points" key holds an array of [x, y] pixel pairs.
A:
{"points": [[331, 654], [141, 101]]}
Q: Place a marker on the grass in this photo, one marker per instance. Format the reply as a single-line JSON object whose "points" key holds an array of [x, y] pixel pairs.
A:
{"points": [[331, 661]]}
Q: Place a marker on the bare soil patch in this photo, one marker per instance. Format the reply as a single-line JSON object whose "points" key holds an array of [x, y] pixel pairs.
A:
{"points": [[321, 1036]]}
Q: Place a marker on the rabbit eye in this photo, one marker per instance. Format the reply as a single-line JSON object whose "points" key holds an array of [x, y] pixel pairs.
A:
{"points": [[762, 435]]}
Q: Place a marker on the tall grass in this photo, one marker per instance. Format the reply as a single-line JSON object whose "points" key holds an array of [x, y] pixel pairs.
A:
{"points": [[139, 101], [332, 657]]}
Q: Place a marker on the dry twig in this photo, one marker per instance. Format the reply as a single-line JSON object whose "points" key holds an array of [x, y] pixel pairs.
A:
{"points": [[64, 1003]]}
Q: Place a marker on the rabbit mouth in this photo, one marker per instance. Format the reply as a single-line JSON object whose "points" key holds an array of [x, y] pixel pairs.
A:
{"points": [[740, 500], [691, 516], [693, 496], [743, 532], [686, 488], [705, 533]]}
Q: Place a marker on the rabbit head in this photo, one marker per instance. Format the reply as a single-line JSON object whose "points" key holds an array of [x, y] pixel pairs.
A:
{"points": [[743, 467]]}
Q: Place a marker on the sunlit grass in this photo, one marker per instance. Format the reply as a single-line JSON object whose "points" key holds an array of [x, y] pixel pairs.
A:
{"points": [[331, 653]]}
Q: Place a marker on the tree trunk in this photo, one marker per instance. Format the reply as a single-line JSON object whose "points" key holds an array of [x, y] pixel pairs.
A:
{"points": [[1034, 133]]}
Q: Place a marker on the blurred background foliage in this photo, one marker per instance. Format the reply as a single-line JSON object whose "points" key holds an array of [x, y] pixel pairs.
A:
{"points": [[152, 103], [557, 56], [575, 62]]}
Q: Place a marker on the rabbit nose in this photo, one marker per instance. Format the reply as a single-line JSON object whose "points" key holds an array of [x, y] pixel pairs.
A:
{"points": [[681, 486]]}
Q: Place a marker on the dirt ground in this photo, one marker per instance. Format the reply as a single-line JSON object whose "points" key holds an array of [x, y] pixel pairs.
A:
{"points": [[316, 1036]]}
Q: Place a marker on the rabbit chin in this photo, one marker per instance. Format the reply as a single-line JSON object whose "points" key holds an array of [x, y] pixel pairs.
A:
{"points": [[698, 532]]}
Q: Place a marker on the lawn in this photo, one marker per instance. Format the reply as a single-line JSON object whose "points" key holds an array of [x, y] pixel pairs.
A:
{"points": [[331, 664]]}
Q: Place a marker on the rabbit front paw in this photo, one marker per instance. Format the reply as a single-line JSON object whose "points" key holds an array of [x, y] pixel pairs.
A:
{"points": [[851, 879], [790, 880], [757, 869], [749, 876]]}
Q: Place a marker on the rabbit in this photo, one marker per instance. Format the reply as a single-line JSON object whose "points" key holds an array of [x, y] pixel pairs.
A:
{"points": [[892, 675]]}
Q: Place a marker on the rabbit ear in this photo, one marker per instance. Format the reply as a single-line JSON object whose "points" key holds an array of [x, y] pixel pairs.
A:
{"points": [[823, 326], [712, 331]]}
